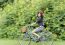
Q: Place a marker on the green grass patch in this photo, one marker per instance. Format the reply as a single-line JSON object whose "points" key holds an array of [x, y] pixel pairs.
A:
{"points": [[15, 42]]}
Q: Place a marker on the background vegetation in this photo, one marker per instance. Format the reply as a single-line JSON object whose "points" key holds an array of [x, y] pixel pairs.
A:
{"points": [[16, 13]]}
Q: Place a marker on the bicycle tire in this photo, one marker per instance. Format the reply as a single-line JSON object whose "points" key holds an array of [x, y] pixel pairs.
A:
{"points": [[24, 39], [47, 37]]}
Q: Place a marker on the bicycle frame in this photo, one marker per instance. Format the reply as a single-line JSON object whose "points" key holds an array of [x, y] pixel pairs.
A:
{"points": [[30, 36]]}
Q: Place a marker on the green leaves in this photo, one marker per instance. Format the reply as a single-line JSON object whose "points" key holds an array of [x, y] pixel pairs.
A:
{"points": [[22, 12]]}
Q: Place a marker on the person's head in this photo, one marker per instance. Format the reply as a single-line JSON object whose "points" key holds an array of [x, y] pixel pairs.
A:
{"points": [[40, 14]]}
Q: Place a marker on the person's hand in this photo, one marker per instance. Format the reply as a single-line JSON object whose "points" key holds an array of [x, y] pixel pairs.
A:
{"points": [[33, 23]]}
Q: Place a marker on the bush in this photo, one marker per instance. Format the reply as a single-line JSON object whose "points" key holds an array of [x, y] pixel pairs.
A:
{"points": [[22, 12]]}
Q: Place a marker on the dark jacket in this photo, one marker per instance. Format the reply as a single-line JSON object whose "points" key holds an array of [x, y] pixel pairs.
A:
{"points": [[39, 21]]}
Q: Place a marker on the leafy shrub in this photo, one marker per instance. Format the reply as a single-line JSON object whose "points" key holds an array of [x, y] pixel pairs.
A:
{"points": [[22, 12]]}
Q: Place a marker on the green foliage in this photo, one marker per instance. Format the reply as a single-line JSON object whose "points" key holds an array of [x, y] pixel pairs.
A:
{"points": [[17, 13], [55, 18]]}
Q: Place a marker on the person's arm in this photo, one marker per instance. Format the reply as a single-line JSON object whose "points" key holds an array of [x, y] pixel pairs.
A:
{"points": [[38, 19], [33, 23]]}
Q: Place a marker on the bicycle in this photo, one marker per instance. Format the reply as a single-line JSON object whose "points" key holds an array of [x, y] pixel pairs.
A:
{"points": [[27, 37]]}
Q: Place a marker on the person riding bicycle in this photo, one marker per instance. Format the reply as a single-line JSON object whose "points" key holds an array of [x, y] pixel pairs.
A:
{"points": [[39, 21]]}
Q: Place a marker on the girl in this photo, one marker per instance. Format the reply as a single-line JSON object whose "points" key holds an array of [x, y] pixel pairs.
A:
{"points": [[39, 21]]}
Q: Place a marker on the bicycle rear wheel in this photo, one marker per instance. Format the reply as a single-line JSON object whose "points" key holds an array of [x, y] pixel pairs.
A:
{"points": [[47, 37], [24, 39]]}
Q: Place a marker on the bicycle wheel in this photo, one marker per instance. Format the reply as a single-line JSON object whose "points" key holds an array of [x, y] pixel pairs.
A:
{"points": [[47, 37], [24, 39]]}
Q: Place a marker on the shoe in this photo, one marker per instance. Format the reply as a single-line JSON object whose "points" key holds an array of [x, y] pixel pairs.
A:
{"points": [[39, 39]]}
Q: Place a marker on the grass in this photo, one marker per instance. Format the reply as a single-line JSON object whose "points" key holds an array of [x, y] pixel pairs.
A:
{"points": [[15, 42], [7, 42]]}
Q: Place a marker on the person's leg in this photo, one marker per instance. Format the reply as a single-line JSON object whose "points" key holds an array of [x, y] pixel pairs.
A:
{"points": [[37, 30], [36, 34]]}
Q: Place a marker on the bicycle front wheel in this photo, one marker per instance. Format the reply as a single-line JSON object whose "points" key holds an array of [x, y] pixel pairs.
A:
{"points": [[24, 39]]}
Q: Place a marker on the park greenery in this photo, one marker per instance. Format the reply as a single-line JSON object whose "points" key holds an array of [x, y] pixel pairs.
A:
{"points": [[14, 14]]}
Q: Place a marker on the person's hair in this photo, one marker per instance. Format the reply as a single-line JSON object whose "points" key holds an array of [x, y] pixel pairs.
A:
{"points": [[41, 13]]}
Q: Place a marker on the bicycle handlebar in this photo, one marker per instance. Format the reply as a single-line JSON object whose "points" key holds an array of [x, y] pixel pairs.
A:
{"points": [[30, 24]]}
